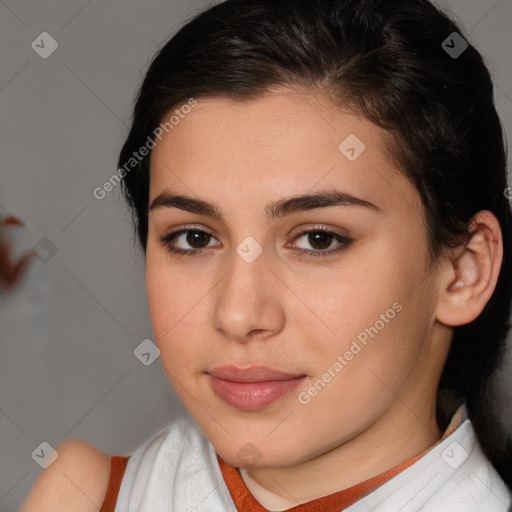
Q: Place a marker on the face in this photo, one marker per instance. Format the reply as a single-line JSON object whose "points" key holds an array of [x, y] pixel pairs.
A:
{"points": [[288, 327]]}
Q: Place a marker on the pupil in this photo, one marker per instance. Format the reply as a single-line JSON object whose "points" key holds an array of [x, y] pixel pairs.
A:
{"points": [[195, 237], [319, 237]]}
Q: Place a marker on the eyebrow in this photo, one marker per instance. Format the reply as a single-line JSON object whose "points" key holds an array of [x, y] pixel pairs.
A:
{"points": [[273, 210]]}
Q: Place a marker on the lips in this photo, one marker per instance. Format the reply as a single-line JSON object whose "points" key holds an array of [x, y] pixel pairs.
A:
{"points": [[250, 374], [252, 388]]}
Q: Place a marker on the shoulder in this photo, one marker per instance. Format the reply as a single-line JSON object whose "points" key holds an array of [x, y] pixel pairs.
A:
{"points": [[77, 480]]}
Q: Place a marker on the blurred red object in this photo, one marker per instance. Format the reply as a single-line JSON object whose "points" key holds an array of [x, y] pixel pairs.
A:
{"points": [[11, 271]]}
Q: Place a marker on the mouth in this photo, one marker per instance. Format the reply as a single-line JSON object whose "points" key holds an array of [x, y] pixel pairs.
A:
{"points": [[252, 388]]}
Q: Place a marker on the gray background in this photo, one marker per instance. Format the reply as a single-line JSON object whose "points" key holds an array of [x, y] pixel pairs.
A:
{"points": [[68, 332]]}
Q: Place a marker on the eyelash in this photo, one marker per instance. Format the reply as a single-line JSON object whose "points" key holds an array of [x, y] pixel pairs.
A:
{"points": [[345, 242]]}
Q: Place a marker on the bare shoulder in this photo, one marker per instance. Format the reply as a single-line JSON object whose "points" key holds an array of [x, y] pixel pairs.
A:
{"points": [[77, 480]]}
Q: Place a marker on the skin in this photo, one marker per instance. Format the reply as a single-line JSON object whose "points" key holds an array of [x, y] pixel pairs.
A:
{"points": [[290, 313], [77, 480], [298, 314]]}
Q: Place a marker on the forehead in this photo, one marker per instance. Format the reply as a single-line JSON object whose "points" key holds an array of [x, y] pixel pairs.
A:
{"points": [[277, 144], [280, 122]]}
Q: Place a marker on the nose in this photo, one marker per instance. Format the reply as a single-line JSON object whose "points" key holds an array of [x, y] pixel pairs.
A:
{"points": [[249, 304]]}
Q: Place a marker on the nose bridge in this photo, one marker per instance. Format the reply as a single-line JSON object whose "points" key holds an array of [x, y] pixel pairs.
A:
{"points": [[247, 298]]}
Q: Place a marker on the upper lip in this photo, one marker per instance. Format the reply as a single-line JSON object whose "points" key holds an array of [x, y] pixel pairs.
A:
{"points": [[250, 374]]}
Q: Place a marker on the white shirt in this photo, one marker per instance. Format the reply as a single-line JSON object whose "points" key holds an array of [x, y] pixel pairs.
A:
{"points": [[177, 470]]}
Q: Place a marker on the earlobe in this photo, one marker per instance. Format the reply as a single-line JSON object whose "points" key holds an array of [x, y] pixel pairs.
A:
{"points": [[469, 279]]}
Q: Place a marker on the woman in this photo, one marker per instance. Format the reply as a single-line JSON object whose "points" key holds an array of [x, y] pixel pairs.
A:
{"points": [[319, 189]]}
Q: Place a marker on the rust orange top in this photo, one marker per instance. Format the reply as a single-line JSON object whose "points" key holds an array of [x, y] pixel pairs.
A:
{"points": [[117, 469]]}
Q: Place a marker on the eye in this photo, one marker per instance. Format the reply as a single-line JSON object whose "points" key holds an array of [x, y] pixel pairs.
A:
{"points": [[197, 238], [318, 237], [321, 239]]}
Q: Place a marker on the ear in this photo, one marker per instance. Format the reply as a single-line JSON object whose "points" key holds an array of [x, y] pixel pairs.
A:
{"points": [[468, 278]]}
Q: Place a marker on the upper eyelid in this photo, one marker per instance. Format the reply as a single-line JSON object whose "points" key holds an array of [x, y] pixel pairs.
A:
{"points": [[304, 229]]}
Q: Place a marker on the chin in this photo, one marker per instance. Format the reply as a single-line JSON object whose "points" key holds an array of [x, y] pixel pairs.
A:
{"points": [[260, 453]]}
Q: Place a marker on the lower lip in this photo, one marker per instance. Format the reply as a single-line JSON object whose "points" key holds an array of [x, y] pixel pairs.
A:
{"points": [[251, 396]]}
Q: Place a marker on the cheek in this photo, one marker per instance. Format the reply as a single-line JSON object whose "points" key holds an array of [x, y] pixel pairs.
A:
{"points": [[361, 372], [176, 302], [377, 310], [339, 305], [382, 353]]}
